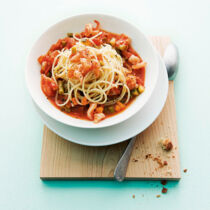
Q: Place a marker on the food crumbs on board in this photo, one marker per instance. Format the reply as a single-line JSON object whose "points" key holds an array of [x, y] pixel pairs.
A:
{"points": [[185, 170], [165, 163], [148, 156], [164, 190], [163, 182], [134, 160], [133, 196], [158, 196], [166, 144], [159, 162], [157, 159]]}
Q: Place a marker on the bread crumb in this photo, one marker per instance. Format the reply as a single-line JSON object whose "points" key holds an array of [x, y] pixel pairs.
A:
{"points": [[158, 160], [134, 160], [148, 156], [166, 144], [165, 163], [163, 182], [164, 190], [133, 196], [185, 170], [157, 196]]}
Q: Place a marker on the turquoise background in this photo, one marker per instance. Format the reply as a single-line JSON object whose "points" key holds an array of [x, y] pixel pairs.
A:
{"points": [[21, 23]]}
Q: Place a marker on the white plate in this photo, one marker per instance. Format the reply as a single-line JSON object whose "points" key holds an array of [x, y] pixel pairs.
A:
{"points": [[119, 132], [75, 24]]}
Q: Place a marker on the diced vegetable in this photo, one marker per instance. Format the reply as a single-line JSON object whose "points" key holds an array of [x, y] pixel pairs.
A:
{"points": [[49, 74], [122, 47], [141, 89], [123, 100], [109, 109], [84, 101], [63, 43], [60, 87], [65, 109], [119, 106], [74, 101], [99, 109], [74, 50], [134, 92], [65, 87], [70, 34], [113, 41]]}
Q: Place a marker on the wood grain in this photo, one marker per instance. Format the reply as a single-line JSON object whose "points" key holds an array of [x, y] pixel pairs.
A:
{"points": [[62, 159]]}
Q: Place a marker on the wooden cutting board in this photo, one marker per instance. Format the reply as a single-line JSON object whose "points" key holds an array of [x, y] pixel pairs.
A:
{"points": [[62, 159]]}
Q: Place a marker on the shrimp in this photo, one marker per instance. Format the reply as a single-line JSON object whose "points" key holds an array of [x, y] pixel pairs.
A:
{"points": [[90, 111], [97, 25], [131, 82], [95, 68], [48, 85], [139, 65], [88, 29], [78, 75], [85, 66], [98, 117], [134, 59]]}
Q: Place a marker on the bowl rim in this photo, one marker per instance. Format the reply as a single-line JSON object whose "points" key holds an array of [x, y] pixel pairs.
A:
{"points": [[91, 124]]}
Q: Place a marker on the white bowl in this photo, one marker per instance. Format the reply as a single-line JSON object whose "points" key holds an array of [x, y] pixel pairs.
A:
{"points": [[76, 24]]}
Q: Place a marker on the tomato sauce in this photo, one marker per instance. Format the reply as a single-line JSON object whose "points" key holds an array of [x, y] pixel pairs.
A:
{"points": [[80, 112], [140, 73], [46, 61]]}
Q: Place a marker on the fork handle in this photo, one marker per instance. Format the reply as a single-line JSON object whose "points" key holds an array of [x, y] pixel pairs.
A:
{"points": [[121, 168]]}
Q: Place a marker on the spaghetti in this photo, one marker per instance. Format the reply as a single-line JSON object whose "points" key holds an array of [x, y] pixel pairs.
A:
{"points": [[92, 75]]}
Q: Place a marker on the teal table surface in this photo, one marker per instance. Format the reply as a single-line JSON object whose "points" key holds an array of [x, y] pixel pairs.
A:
{"points": [[187, 23]]}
